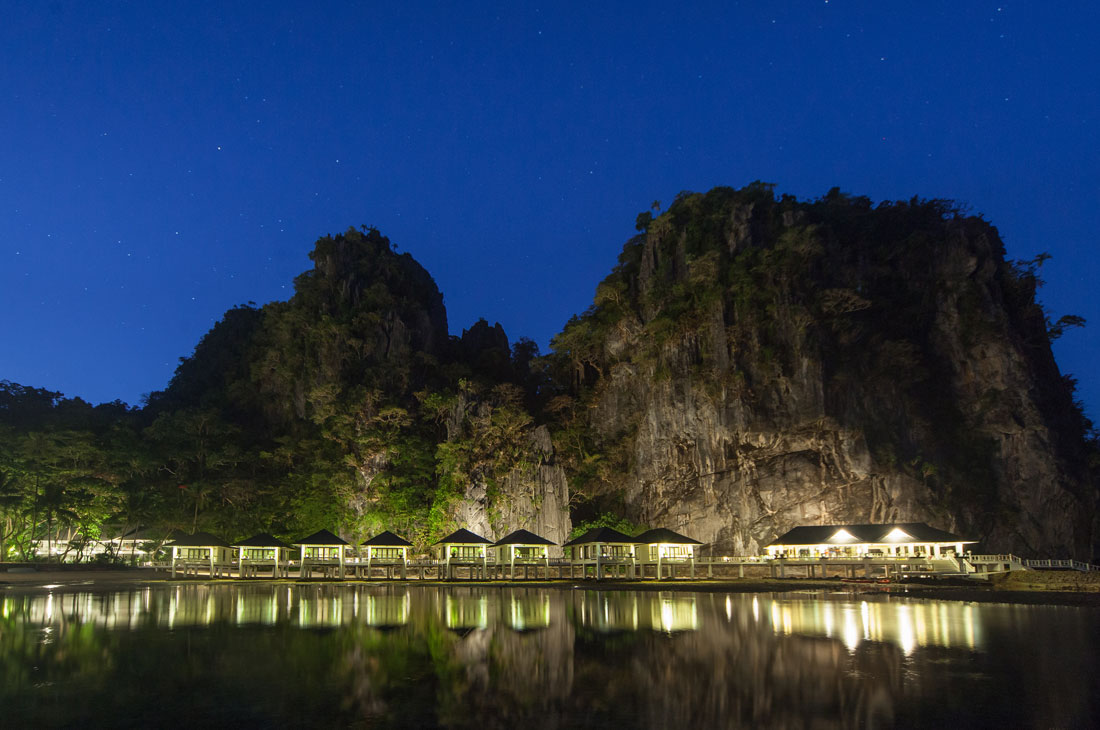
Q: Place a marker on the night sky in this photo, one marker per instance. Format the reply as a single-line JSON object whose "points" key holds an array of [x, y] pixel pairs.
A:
{"points": [[163, 162]]}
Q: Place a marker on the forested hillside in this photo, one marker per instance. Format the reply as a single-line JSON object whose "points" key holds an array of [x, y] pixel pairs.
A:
{"points": [[347, 407], [751, 364]]}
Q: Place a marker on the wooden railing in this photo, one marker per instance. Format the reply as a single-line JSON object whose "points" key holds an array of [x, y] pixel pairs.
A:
{"points": [[1003, 558], [1063, 563]]}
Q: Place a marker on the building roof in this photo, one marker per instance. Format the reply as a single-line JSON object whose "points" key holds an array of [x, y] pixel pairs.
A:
{"points": [[523, 537], [660, 534], [199, 539], [61, 535], [321, 537], [905, 532], [463, 536], [262, 540], [601, 535], [148, 534], [387, 539]]}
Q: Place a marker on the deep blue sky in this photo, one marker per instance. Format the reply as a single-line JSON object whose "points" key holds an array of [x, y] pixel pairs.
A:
{"points": [[162, 162]]}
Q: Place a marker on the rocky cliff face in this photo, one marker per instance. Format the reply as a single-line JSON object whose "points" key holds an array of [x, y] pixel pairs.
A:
{"points": [[510, 478], [753, 364]]}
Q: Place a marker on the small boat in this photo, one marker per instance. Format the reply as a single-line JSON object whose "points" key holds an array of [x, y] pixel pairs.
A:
{"points": [[866, 580]]}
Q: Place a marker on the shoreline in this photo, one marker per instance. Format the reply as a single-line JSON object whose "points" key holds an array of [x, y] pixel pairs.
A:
{"points": [[106, 580]]}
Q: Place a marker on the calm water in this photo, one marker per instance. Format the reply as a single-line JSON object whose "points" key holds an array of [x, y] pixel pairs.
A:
{"points": [[294, 655]]}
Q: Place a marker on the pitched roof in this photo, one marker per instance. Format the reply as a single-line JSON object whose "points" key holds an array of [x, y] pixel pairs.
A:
{"points": [[321, 537], [601, 534], [831, 534], [523, 537], [262, 540], [463, 536], [142, 533], [199, 539], [387, 539], [660, 534]]}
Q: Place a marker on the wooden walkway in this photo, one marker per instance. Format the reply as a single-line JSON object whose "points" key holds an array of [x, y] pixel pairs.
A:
{"points": [[974, 566]]}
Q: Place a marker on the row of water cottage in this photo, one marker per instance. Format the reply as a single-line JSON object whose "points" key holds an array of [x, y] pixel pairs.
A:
{"points": [[602, 551], [873, 551]]}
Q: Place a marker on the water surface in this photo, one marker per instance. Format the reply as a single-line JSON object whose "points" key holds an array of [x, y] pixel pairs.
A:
{"points": [[368, 655]]}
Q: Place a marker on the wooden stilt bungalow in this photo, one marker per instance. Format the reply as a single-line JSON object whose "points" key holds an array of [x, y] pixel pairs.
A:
{"points": [[190, 553], [661, 547], [389, 551], [603, 548], [263, 552], [322, 551], [522, 548], [462, 547]]}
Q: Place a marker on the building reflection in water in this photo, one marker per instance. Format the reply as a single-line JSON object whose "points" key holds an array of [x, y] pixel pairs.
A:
{"points": [[387, 610], [613, 611], [490, 655], [528, 610], [465, 610], [906, 623]]}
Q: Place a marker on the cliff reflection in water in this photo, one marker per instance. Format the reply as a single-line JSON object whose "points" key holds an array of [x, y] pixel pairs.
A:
{"points": [[494, 656]]}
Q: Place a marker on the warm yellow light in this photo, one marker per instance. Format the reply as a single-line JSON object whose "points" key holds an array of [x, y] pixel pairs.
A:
{"points": [[897, 535], [842, 535]]}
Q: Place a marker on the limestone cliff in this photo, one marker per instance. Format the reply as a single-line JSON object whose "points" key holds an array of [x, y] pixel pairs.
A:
{"points": [[754, 364], [506, 471]]}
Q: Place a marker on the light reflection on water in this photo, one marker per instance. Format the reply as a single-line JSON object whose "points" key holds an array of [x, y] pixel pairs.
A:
{"points": [[467, 655], [906, 623]]}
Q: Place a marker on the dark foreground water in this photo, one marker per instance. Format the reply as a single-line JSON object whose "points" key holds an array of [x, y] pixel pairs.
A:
{"points": [[304, 655]]}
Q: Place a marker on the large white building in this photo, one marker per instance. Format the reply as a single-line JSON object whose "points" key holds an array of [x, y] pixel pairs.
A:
{"points": [[909, 539]]}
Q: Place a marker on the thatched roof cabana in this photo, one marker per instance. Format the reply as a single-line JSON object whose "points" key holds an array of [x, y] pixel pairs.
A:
{"points": [[322, 548], [523, 547], [386, 539], [200, 549], [262, 550], [388, 550]]}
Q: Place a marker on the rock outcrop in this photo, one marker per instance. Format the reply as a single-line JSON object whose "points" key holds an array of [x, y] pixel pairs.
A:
{"points": [[755, 364], [513, 481]]}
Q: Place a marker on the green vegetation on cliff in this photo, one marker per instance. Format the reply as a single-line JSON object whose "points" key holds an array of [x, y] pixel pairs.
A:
{"points": [[829, 318], [737, 334]]}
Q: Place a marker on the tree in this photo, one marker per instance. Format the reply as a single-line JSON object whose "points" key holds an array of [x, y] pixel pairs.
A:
{"points": [[1066, 321]]}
